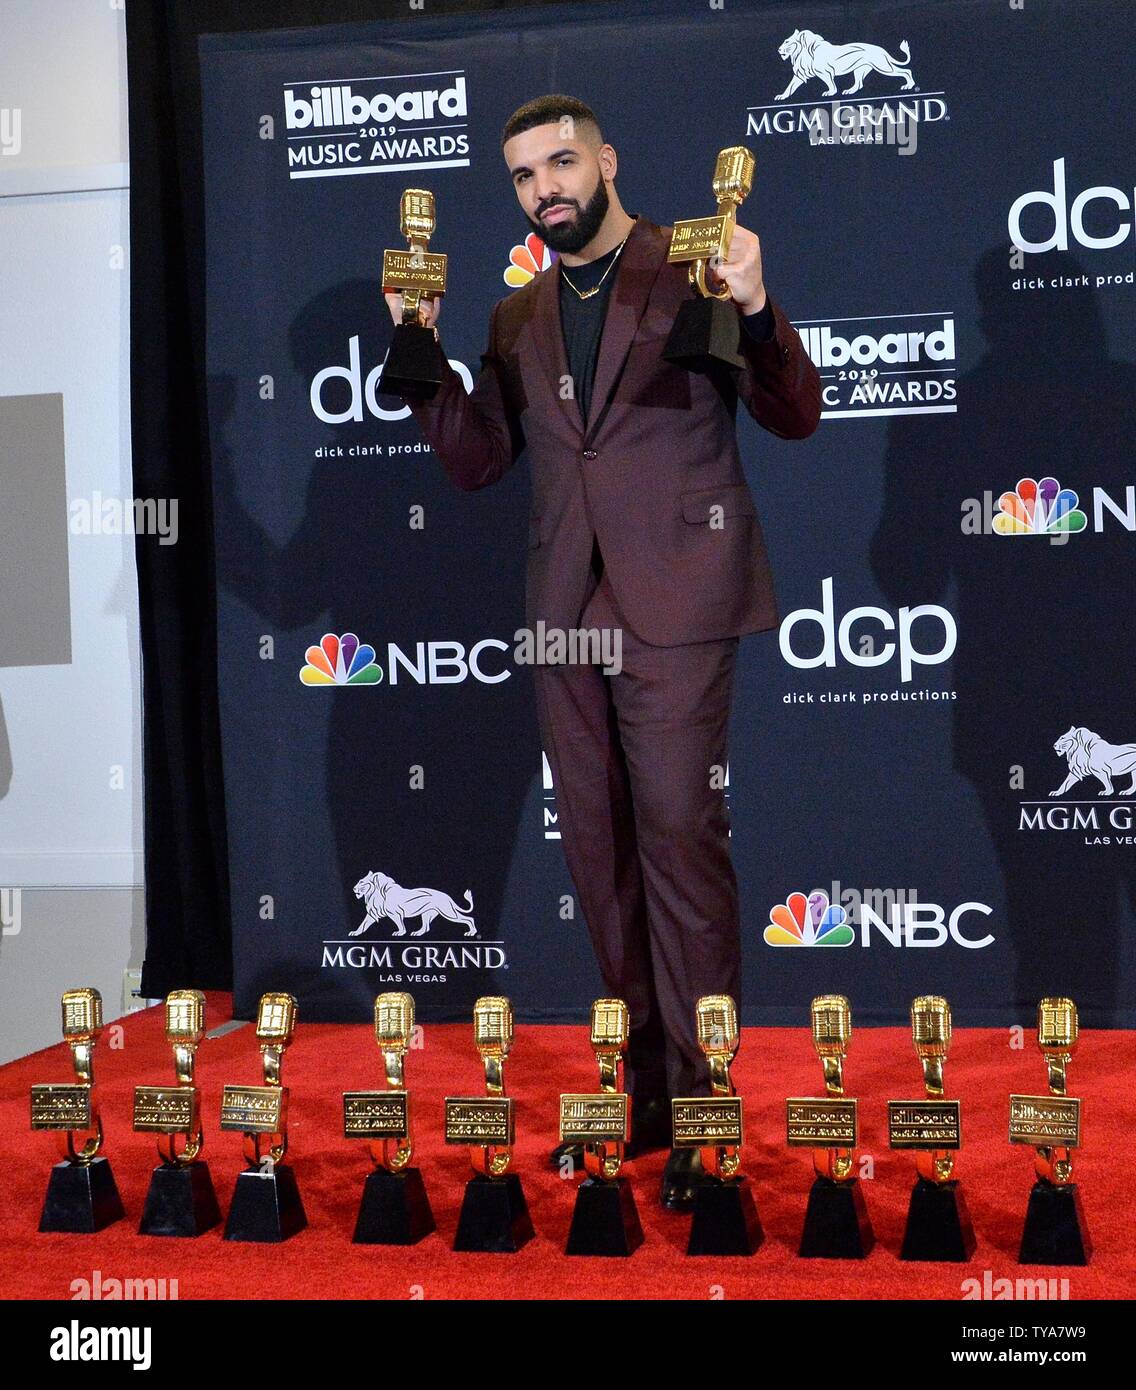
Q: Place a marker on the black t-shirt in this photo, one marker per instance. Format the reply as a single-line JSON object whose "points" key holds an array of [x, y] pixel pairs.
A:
{"points": [[582, 321]]}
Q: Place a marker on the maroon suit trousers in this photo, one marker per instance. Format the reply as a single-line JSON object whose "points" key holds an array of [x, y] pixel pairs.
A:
{"points": [[637, 761]]}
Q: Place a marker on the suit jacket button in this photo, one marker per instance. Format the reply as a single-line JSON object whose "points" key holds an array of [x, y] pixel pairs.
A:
{"points": [[784, 354], [589, 454]]}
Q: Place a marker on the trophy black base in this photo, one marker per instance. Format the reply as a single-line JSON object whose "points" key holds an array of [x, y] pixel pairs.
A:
{"points": [[705, 336], [837, 1226], [81, 1198], [395, 1209], [605, 1220], [938, 1224], [266, 1206], [494, 1216], [413, 367], [725, 1219], [181, 1201], [1055, 1232]]}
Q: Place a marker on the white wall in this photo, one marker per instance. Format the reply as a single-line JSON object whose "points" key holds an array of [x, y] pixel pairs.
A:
{"points": [[70, 763]]}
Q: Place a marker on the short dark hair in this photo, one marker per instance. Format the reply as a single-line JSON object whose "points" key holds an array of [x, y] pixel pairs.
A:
{"points": [[551, 109]]}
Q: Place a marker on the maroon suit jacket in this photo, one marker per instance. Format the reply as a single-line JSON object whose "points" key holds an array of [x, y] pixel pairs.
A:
{"points": [[659, 453]]}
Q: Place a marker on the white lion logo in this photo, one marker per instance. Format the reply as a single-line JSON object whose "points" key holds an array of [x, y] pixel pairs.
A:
{"points": [[1090, 756], [386, 898], [813, 56]]}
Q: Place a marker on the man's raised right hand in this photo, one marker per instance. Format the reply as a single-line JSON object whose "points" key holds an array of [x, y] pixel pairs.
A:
{"points": [[431, 308]]}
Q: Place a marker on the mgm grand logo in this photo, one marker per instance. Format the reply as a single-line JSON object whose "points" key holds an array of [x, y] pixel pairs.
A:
{"points": [[1094, 765], [883, 114], [411, 962]]}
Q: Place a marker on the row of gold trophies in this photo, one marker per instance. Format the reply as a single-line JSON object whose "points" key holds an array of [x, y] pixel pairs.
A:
{"points": [[395, 1209]]}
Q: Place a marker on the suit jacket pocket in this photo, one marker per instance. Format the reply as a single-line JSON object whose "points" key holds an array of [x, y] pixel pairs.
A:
{"points": [[734, 499]]}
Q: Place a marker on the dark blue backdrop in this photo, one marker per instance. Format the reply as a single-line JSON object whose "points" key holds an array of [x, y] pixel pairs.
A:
{"points": [[902, 760]]}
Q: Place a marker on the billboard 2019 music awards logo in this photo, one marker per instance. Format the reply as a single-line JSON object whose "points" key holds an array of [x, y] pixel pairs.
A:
{"points": [[883, 364], [376, 125]]}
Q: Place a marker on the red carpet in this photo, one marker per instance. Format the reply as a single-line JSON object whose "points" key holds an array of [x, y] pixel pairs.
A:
{"points": [[321, 1262]]}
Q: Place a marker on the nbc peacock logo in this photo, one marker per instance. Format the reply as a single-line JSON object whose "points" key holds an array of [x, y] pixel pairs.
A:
{"points": [[527, 261], [808, 921], [1039, 508], [341, 661]]}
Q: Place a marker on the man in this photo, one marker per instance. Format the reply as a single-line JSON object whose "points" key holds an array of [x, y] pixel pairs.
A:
{"points": [[641, 522]]}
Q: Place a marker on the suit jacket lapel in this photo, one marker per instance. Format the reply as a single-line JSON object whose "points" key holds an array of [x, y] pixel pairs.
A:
{"points": [[639, 264]]}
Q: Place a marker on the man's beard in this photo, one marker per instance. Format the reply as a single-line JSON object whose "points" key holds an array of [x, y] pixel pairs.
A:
{"points": [[573, 235]]}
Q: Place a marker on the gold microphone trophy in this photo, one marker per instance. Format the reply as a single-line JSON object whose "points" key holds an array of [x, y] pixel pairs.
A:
{"points": [[707, 330], [181, 1200], [494, 1213], [1055, 1232], [938, 1224], [725, 1218], [605, 1220], [266, 1204], [395, 1209], [413, 369], [81, 1194], [836, 1223]]}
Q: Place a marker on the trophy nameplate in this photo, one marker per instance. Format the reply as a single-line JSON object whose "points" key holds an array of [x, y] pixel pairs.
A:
{"points": [[481, 1120], [165, 1109], [924, 1124], [1043, 1121], [254, 1109], [706, 1123], [61, 1106], [822, 1124], [603, 1117], [376, 1114]]}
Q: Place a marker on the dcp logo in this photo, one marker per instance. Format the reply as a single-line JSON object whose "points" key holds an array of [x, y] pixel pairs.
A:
{"points": [[937, 623], [1066, 218]]}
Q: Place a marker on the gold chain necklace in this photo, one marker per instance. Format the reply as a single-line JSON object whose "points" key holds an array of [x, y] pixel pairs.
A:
{"points": [[587, 294]]}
